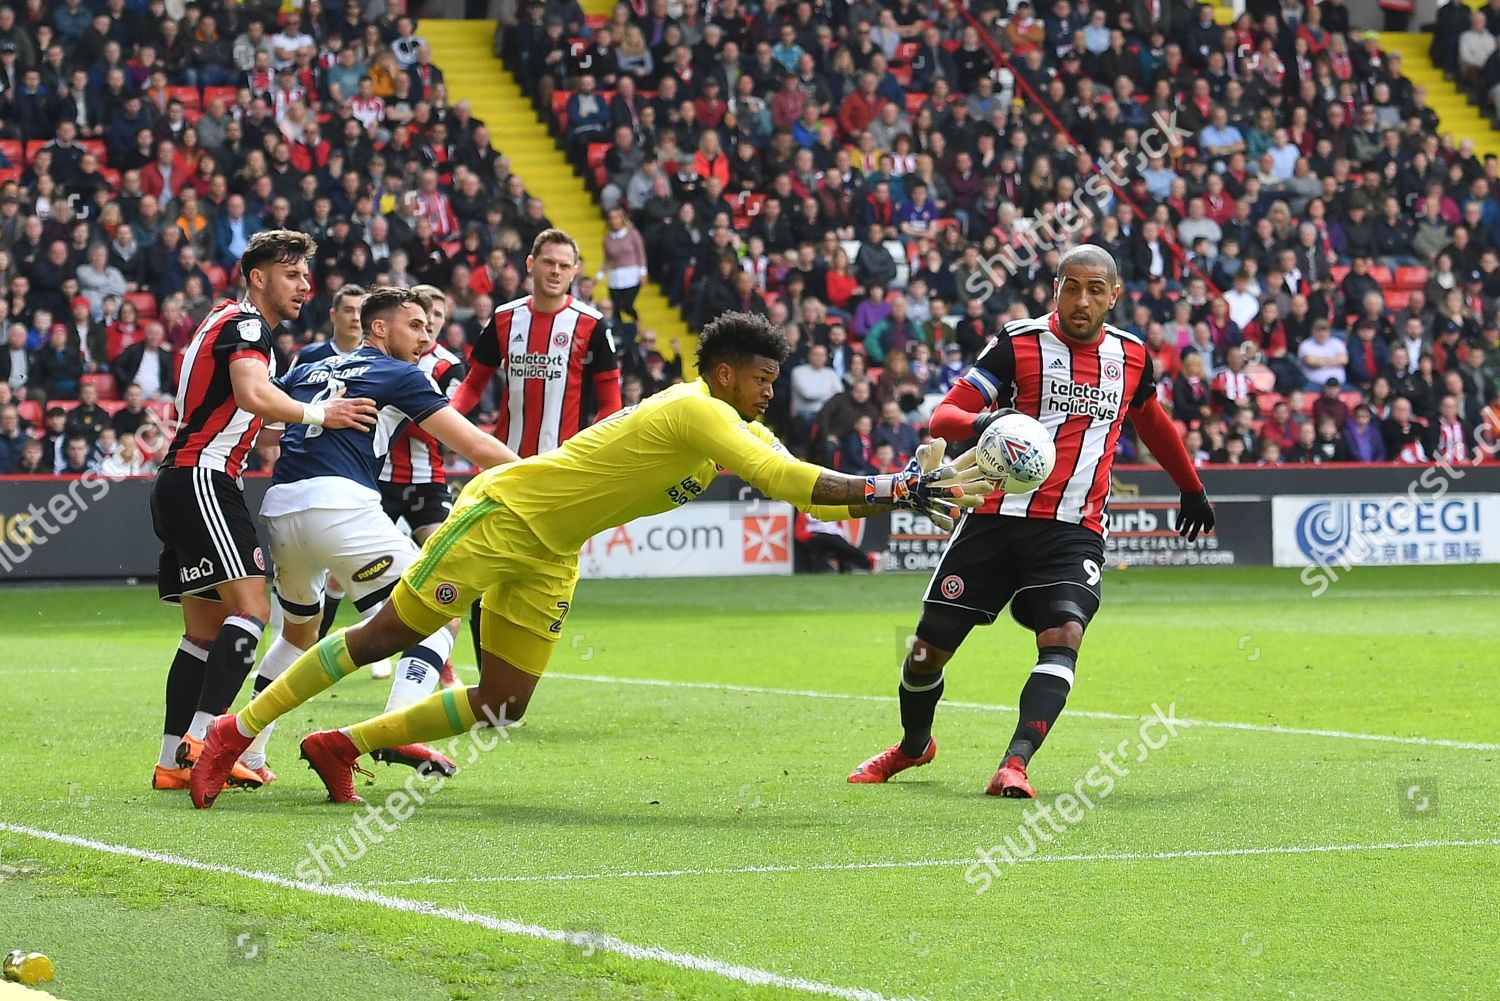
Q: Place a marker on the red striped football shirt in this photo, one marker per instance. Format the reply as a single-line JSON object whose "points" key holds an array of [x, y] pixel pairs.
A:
{"points": [[214, 431], [546, 364], [416, 456], [1081, 393]]}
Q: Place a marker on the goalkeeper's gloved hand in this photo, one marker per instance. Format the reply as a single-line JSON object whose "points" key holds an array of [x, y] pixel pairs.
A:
{"points": [[931, 487], [1194, 515], [984, 420]]}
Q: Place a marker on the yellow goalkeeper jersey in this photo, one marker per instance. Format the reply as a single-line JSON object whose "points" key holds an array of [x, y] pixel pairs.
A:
{"points": [[644, 460]]}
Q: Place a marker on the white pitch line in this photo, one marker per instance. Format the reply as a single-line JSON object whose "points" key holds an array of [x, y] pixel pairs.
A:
{"points": [[505, 926], [602, 679], [945, 863]]}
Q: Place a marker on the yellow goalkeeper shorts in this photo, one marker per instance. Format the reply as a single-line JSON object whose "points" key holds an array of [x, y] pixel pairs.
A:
{"points": [[484, 550]]}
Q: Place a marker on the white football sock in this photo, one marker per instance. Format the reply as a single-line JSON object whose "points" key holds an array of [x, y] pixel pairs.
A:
{"points": [[417, 672], [280, 656], [201, 722], [168, 757]]}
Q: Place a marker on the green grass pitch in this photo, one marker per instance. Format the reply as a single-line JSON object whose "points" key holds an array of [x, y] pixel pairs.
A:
{"points": [[696, 839]]}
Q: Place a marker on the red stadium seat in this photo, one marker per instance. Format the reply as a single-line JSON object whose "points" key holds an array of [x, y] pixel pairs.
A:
{"points": [[595, 21], [14, 151], [1352, 398], [1383, 276], [902, 75], [30, 411], [905, 51], [33, 145], [1411, 277], [229, 95], [11, 173], [560, 108], [1397, 298], [951, 44], [914, 102], [216, 276], [1339, 272], [161, 408], [112, 407], [1261, 378], [190, 97], [104, 382], [111, 177], [596, 153], [145, 304]]}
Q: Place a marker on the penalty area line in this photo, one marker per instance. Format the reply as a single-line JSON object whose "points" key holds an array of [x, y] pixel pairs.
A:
{"points": [[947, 863], [603, 679], [504, 926]]}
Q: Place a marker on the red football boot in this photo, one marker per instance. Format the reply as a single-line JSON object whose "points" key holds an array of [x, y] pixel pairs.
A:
{"points": [[447, 677], [335, 758], [221, 752], [1011, 780], [891, 761], [424, 759]]}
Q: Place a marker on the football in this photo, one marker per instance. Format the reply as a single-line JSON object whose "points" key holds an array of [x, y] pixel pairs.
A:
{"points": [[1016, 452]]}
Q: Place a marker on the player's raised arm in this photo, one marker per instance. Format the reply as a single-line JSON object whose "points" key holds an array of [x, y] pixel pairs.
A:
{"points": [[454, 430], [483, 362], [739, 357], [1159, 434], [981, 395], [256, 393]]}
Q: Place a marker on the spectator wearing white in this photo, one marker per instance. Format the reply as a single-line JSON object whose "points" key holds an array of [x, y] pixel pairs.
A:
{"points": [[126, 460], [1475, 47], [1322, 357], [1284, 155], [1243, 300], [286, 42], [15, 364], [252, 40], [98, 278], [1198, 225], [814, 383]]}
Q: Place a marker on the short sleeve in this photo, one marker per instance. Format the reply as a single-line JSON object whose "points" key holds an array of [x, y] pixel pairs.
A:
{"points": [[993, 373], [486, 350], [1145, 390], [602, 356], [417, 396], [244, 336]]}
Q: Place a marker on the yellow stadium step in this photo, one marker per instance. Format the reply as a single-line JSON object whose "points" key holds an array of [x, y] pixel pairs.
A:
{"points": [[463, 49], [1456, 115]]}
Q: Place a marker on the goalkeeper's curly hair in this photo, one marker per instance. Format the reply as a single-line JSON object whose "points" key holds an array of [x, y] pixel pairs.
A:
{"points": [[737, 337]]}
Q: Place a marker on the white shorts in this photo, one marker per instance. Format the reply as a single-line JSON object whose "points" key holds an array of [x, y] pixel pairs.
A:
{"points": [[360, 546]]}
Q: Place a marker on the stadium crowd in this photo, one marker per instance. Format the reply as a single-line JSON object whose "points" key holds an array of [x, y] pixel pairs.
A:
{"points": [[1315, 269]]}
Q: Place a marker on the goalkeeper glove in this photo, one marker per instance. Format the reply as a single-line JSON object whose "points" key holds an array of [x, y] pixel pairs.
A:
{"points": [[982, 421], [929, 486], [1195, 514]]}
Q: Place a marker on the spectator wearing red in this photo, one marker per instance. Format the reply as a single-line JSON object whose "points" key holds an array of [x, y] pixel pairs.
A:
{"points": [[165, 176], [860, 107]]}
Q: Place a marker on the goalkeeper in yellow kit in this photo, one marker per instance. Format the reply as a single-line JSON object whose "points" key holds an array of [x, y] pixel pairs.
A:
{"points": [[513, 537]]}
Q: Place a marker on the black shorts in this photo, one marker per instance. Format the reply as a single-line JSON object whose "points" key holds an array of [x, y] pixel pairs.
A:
{"points": [[206, 532], [419, 503], [1048, 571]]}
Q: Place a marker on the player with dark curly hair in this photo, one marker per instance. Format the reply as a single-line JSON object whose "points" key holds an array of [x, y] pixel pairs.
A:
{"points": [[513, 539]]}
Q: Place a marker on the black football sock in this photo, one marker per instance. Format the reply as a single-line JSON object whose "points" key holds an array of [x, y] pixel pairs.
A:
{"points": [[331, 604], [919, 694], [1042, 699], [184, 682], [229, 662]]}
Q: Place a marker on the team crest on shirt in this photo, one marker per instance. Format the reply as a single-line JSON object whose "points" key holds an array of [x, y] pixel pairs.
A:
{"points": [[445, 594], [1112, 370], [560, 340], [260, 560], [952, 587], [249, 330]]}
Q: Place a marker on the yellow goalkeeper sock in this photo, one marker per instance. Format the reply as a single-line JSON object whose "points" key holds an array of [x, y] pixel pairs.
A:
{"points": [[317, 669], [441, 714]]}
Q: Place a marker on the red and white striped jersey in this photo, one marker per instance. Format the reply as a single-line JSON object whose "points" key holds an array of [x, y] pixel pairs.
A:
{"points": [[1081, 393], [416, 456], [214, 431], [546, 362]]}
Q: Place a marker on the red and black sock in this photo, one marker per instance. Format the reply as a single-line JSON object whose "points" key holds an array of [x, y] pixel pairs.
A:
{"points": [[1042, 699]]}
